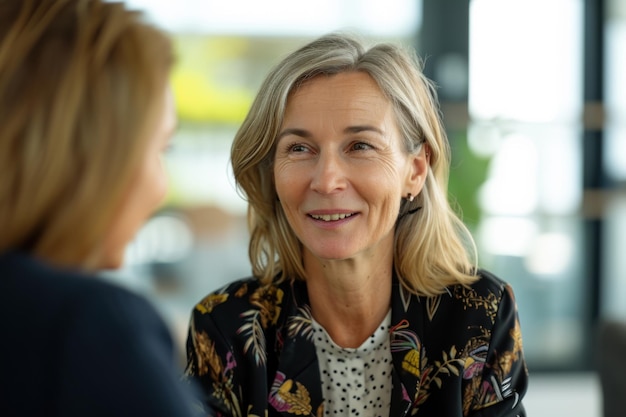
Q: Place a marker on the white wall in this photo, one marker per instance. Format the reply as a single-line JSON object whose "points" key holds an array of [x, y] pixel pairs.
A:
{"points": [[567, 395]]}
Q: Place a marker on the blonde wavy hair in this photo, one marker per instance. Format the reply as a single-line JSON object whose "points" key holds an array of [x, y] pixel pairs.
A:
{"points": [[81, 85], [433, 248]]}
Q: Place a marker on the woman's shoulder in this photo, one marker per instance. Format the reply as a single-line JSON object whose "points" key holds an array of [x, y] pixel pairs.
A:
{"points": [[246, 294], [489, 282], [486, 293], [41, 283], [489, 293], [488, 286], [69, 302]]}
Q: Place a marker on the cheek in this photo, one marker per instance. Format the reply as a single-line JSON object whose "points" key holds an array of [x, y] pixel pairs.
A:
{"points": [[285, 182], [148, 192], [383, 193], [155, 182], [161, 181], [144, 195]]}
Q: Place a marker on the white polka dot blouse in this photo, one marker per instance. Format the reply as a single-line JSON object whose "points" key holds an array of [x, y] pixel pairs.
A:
{"points": [[356, 381]]}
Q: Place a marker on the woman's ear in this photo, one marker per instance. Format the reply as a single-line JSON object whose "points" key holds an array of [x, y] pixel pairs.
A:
{"points": [[418, 170]]}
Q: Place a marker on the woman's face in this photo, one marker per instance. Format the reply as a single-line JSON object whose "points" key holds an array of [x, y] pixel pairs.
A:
{"points": [[341, 169], [146, 191]]}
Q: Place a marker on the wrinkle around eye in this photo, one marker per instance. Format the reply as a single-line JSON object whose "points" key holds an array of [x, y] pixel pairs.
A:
{"points": [[298, 148], [295, 150], [360, 146]]}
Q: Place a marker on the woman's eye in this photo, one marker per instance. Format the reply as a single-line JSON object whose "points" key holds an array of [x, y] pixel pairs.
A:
{"points": [[296, 148], [361, 146]]}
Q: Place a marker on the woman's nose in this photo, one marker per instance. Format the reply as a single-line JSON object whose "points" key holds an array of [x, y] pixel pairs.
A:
{"points": [[329, 174]]}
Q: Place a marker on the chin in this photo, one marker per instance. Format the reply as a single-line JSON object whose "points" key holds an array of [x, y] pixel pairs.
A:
{"points": [[335, 255], [112, 262]]}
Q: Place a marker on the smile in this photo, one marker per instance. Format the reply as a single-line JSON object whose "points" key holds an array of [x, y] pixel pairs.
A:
{"points": [[331, 217]]}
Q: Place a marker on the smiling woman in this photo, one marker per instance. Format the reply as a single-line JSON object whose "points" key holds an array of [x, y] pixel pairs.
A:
{"points": [[340, 167], [366, 297]]}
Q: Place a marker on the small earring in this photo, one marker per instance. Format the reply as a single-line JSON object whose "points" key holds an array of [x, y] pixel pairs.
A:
{"points": [[410, 197]]}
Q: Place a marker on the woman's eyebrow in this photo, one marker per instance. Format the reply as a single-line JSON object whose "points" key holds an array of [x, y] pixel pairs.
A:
{"points": [[350, 129], [294, 131], [363, 128]]}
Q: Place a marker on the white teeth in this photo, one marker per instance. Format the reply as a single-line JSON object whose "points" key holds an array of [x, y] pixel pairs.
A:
{"points": [[330, 217]]}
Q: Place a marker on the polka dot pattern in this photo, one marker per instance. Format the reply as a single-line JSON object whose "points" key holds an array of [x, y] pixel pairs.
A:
{"points": [[356, 381]]}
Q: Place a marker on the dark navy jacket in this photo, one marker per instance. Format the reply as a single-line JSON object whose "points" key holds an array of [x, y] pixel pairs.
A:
{"points": [[74, 345]]}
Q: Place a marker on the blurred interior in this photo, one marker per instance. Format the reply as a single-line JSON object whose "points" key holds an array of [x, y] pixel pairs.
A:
{"points": [[534, 100]]}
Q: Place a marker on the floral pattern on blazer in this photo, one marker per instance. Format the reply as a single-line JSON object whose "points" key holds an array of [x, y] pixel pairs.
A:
{"points": [[250, 348]]}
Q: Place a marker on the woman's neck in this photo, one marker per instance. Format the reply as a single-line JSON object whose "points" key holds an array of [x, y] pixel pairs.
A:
{"points": [[349, 298]]}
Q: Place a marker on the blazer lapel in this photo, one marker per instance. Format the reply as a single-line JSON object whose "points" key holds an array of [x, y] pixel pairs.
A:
{"points": [[406, 349], [296, 389]]}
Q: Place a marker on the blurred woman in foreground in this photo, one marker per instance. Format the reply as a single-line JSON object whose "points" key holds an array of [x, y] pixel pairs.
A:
{"points": [[85, 114]]}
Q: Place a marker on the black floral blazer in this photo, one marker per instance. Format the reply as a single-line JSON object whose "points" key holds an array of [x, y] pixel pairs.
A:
{"points": [[251, 350]]}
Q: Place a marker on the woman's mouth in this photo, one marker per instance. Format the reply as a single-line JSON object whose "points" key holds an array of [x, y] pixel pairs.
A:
{"points": [[331, 217]]}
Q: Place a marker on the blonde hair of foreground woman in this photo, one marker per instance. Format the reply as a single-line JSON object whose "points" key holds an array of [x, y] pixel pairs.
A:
{"points": [[81, 86], [433, 248]]}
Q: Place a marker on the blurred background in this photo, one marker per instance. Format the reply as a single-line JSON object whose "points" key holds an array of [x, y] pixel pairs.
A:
{"points": [[533, 95]]}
